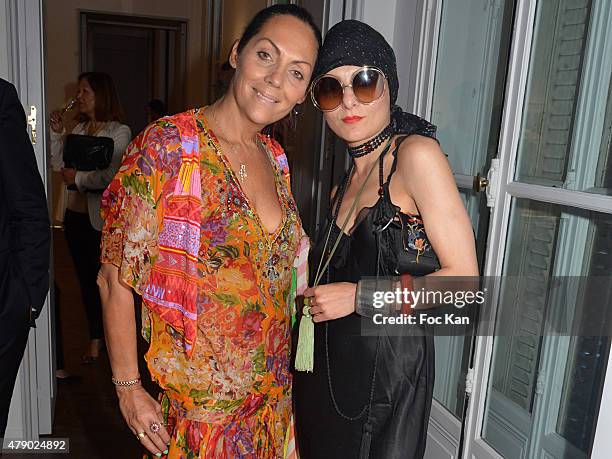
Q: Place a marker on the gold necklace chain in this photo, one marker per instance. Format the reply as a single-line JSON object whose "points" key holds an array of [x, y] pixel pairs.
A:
{"points": [[242, 171]]}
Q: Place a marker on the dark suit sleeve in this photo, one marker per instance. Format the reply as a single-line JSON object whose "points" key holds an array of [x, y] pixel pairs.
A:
{"points": [[24, 197]]}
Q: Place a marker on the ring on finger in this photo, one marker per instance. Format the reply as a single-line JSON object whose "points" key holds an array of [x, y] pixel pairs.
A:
{"points": [[141, 435], [154, 427]]}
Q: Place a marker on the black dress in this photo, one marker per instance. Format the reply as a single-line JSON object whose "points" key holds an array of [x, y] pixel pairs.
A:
{"points": [[378, 384]]}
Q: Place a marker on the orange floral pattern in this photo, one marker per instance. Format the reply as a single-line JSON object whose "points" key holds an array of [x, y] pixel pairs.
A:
{"points": [[231, 398]]}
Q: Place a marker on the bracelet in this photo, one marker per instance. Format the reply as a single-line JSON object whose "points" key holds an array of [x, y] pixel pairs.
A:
{"points": [[127, 383], [407, 286], [366, 301]]}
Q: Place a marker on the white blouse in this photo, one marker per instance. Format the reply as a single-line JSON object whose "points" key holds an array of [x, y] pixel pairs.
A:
{"points": [[89, 183]]}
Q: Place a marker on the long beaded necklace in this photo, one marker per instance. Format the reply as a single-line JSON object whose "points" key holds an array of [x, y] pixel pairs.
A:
{"points": [[366, 436], [304, 358]]}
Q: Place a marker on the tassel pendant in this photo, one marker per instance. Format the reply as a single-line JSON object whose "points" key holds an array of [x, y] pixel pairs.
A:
{"points": [[304, 356], [292, 297], [366, 441]]}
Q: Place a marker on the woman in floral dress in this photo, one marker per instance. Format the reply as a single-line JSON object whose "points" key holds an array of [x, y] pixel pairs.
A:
{"points": [[200, 221]]}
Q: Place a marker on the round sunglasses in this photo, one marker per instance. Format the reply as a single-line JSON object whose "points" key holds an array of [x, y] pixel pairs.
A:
{"points": [[367, 83]]}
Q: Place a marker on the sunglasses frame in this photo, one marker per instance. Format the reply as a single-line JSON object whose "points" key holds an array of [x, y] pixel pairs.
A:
{"points": [[343, 86]]}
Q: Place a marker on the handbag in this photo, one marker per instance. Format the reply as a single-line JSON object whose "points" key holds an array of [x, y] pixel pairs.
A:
{"points": [[87, 152], [414, 253]]}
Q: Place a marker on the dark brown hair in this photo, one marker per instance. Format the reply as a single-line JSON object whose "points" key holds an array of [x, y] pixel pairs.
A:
{"points": [[263, 16], [255, 26], [108, 107]]}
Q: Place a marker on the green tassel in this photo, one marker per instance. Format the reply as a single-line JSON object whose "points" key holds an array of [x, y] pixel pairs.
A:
{"points": [[304, 355], [292, 294]]}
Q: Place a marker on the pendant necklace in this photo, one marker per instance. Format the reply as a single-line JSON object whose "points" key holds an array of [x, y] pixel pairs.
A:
{"points": [[242, 171]]}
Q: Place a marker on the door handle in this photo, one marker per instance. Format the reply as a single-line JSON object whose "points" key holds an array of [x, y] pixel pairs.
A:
{"points": [[489, 183], [480, 183], [32, 123]]}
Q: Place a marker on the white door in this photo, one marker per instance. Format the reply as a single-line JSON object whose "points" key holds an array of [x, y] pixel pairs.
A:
{"points": [[463, 67], [520, 89], [540, 373], [21, 63]]}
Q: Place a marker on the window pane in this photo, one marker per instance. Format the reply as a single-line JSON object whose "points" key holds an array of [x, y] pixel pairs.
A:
{"points": [[582, 389], [469, 85], [545, 388], [565, 137]]}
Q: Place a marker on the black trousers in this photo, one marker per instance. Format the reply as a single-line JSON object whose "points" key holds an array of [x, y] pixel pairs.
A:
{"points": [[84, 245], [14, 329]]}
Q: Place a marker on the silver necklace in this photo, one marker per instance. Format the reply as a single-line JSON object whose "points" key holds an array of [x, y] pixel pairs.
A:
{"points": [[242, 171]]}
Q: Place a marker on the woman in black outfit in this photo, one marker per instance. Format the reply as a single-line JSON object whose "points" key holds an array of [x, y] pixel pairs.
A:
{"points": [[370, 396]]}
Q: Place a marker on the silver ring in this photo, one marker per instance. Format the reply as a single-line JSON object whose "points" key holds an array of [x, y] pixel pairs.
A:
{"points": [[154, 427]]}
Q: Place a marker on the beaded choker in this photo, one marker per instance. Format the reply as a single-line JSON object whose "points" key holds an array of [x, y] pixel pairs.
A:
{"points": [[372, 144]]}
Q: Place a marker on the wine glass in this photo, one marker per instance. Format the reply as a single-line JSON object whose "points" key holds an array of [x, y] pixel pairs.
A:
{"points": [[69, 106]]}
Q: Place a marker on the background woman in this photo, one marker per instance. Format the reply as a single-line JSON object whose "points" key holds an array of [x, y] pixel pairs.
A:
{"points": [[99, 114], [200, 220], [371, 396]]}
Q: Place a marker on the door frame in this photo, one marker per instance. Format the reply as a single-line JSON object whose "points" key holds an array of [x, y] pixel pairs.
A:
{"points": [[500, 214], [508, 189], [33, 402], [167, 81]]}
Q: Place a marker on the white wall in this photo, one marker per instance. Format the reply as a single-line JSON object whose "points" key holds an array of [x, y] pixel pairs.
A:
{"points": [[381, 16], [399, 21], [406, 46]]}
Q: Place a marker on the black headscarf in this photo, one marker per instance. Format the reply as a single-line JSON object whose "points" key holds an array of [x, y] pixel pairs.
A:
{"points": [[352, 42]]}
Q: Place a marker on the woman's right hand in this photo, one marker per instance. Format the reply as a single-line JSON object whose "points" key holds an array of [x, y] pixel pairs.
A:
{"points": [[141, 411], [56, 121]]}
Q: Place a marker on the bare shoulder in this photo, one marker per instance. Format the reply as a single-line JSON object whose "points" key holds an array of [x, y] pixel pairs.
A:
{"points": [[418, 152]]}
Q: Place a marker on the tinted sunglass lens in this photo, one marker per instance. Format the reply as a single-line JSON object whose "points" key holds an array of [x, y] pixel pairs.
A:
{"points": [[368, 85], [327, 93]]}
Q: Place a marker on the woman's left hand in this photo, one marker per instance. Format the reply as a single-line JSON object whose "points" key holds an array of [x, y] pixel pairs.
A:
{"points": [[331, 301], [69, 175]]}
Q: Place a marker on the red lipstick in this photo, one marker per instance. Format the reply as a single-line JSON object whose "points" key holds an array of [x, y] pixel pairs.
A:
{"points": [[352, 119]]}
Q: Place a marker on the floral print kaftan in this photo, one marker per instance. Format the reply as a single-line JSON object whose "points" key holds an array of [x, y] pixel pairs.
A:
{"points": [[227, 395]]}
